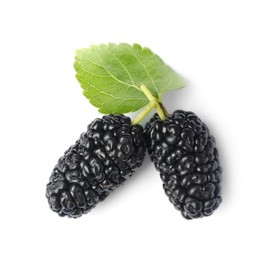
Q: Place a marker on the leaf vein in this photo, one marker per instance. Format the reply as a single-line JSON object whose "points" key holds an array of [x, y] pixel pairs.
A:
{"points": [[121, 81], [147, 72], [128, 73], [100, 92]]}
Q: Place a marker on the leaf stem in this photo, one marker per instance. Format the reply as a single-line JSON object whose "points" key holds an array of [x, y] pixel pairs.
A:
{"points": [[163, 109], [160, 112], [148, 93], [155, 102], [143, 114]]}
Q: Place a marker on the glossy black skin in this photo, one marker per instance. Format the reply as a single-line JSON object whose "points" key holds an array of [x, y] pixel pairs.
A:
{"points": [[185, 153], [101, 160]]}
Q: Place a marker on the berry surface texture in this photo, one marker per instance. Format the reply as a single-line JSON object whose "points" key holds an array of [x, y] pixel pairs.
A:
{"points": [[185, 154], [102, 159]]}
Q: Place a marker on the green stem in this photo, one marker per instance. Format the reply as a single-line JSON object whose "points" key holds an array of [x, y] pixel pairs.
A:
{"points": [[163, 109], [154, 103], [153, 100], [148, 93], [143, 114]]}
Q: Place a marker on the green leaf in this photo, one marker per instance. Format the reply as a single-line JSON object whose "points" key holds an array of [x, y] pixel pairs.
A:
{"points": [[111, 76]]}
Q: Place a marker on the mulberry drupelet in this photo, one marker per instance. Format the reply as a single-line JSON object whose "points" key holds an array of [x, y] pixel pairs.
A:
{"points": [[185, 153], [101, 160]]}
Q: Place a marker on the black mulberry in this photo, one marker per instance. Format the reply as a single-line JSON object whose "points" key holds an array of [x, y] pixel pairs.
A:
{"points": [[184, 152], [101, 160]]}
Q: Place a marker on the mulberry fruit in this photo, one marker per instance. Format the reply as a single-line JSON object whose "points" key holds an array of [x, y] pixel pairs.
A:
{"points": [[100, 161], [184, 152]]}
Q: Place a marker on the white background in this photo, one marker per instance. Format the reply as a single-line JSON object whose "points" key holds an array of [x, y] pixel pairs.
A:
{"points": [[224, 51]]}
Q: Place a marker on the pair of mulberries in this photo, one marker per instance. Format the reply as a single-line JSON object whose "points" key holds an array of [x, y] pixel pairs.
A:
{"points": [[107, 154]]}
